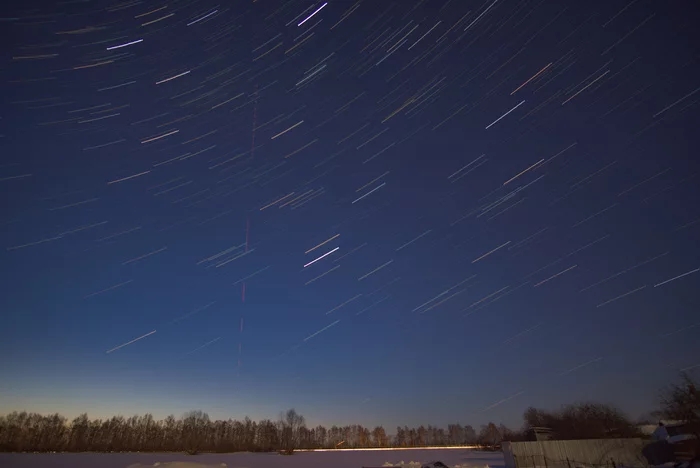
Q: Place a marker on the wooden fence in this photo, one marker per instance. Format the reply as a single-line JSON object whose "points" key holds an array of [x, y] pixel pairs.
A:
{"points": [[592, 453]]}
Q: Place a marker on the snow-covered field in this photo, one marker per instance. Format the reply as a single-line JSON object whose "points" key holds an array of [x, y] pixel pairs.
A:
{"points": [[453, 458]]}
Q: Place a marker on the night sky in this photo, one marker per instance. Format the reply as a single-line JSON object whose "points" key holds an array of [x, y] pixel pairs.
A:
{"points": [[376, 212]]}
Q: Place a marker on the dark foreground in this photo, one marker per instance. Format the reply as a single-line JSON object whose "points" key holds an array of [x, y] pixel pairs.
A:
{"points": [[454, 458]]}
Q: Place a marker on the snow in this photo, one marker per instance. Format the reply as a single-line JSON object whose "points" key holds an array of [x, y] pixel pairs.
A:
{"points": [[415, 464], [179, 465], [453, 458]]}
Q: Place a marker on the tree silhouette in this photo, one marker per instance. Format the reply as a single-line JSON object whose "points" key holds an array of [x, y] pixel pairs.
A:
{"points": [[195, 432], [582, 421]]}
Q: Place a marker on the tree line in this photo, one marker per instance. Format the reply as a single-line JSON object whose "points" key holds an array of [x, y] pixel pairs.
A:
{"points": [[196, 432]]}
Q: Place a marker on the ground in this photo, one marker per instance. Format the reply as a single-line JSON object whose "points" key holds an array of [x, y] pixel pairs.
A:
{"points": [[453, 458]]}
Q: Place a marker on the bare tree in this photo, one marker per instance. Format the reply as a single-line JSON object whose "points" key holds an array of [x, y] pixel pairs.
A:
{"points": [[455, 434], [510, 435], [421, 436], [379, 438], [321, 436], [401, 436], [194, 430], [267, 437], [290, 425], [490, 435], [469, 435], [582, 421], [681, 401]]}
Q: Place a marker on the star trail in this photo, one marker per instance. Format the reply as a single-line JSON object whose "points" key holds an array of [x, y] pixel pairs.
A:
{"points": [[416, 208]]}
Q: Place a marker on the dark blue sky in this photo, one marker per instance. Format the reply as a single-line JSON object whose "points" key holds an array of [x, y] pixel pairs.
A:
{"points": [[507, 192]]}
